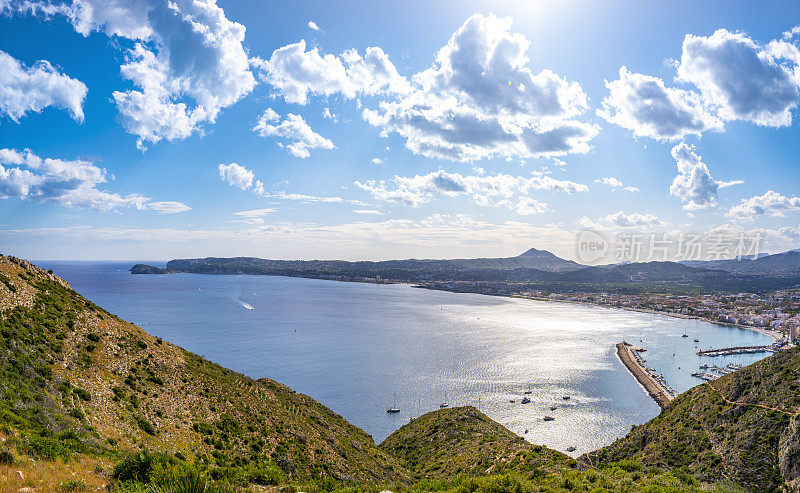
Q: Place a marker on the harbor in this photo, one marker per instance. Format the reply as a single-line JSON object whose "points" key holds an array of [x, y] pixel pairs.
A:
{"points": [[655, 384], [728, 351]]}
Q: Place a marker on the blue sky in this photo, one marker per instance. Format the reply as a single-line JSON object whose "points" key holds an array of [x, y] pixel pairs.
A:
{"points": [[155, 130]]}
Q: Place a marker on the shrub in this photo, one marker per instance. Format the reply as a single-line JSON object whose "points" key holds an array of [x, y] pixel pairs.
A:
{"points": [[137, 467], [145, 425], [74, 485], [6, 458]]}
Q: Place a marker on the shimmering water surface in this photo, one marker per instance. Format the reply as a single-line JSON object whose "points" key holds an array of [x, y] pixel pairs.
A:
{"points": [[360, 348]]}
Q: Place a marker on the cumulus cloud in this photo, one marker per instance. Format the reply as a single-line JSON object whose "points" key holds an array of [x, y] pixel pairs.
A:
{"points": [[377, 160], [294, 128], [694, 184], [69, 183], [771, 202], [239, 176], [644, 105], [743, 79], [24, 89], [480, 99], [622, 220], [186, 62], [498, 190], [313, 26], [297, 73], [615, 183]]}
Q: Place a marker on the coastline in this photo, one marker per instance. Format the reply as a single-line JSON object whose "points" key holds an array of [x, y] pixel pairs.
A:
{"points": [[775, 335], [653, 388]]}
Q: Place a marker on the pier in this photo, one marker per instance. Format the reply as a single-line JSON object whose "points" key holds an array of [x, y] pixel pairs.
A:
{"points": [[655, 387], [736, 350]]}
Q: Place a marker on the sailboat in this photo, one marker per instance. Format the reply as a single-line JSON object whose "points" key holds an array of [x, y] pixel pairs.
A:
{"points": [[697, 337], [394, 408], [684, 333], [444, 404]]}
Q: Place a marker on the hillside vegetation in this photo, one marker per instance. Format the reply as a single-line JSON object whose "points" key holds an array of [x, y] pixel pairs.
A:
{"points": [[76, 379], [743, 427]]}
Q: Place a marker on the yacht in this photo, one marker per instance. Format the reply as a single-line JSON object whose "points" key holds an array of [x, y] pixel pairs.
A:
{"points": [[570, 449], [549, 418], [525, 400]]}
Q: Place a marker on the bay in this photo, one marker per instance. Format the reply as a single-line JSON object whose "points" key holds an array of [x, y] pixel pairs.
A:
{"points": [[360, 348]]}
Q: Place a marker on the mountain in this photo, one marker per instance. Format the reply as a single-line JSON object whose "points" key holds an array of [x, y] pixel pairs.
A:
{"points": [[744, 427], [785, 264]]}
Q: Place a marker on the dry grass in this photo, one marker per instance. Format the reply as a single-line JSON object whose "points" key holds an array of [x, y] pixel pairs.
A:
{"points": [[54, 476]]}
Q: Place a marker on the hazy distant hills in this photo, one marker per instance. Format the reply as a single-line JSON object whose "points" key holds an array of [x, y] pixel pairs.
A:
{"points": [[534, 266], [780, 264]]}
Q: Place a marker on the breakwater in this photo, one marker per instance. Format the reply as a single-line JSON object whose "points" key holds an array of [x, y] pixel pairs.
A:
{"points": [[657, 389], [736, 350]]}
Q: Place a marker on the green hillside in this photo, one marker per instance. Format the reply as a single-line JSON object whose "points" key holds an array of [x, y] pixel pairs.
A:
{"points": [[76, 379], [743, 427]]}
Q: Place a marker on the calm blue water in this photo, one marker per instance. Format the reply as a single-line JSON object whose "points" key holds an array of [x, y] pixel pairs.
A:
{"points": [[359, 348]]}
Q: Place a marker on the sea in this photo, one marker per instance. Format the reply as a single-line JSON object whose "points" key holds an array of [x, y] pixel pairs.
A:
{"points": [[362, 348]]}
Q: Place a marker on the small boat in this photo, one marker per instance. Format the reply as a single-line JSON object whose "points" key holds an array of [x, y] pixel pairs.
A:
{"points": [[525, 400], [527, 392], [553, 408], [570, 449], [394, 409], [566, 397], [526, 432], [549, 418], [444, 405], [512, 401]]}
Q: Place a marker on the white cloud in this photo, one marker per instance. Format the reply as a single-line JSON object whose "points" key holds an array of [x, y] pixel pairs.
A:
{"points": [[255, 213], [615, 183], [187, 62], [622, 220], [168, 207], [741, 78], [694, 184], [496, 190], [377, 160], [480, 100], [368, 211], [238, 176], [302, 138], [313, 26], [644, 105], [253, 217], [296, 73], [24, 89], [770, 202], [72, 184]]}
